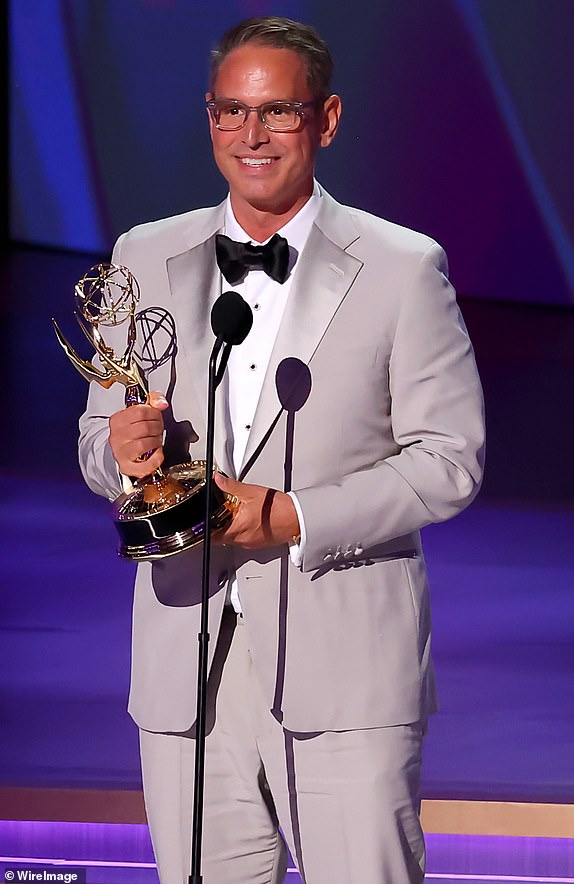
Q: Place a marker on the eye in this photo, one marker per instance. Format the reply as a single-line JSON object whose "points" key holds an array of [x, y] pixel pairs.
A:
{"points": [[277, 111], [230, 111], [280, 116]]}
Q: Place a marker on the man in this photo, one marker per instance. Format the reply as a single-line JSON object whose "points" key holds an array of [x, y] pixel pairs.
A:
{"points": [[351, 417]]}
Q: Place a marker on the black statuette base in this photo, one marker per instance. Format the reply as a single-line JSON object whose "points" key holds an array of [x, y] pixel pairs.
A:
{"points": [[149, 531]]}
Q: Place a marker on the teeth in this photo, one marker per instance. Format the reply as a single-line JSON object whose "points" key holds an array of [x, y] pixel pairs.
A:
{"points": [[251, 161]]}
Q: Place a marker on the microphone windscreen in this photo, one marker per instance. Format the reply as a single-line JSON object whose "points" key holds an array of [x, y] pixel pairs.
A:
{"points": [[231, 318]]}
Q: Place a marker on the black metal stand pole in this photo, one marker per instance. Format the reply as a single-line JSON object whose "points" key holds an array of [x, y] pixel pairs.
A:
{"points": [[203, 637]]}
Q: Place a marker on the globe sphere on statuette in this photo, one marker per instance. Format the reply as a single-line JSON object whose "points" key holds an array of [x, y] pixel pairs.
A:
{"points": [[107, 294]]}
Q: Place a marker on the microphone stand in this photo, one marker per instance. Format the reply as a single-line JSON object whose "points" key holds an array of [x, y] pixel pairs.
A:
{"points": [[215, 377], [231, 321], [222, 364]]}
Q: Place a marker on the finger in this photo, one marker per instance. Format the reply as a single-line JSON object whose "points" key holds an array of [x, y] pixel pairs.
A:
{"points": [[157, 400], [139, 469], [130, 451], [124, 421], [136, 448], [233, 529], [133, 413], [230, 486], [146, 422], [146, 430]]}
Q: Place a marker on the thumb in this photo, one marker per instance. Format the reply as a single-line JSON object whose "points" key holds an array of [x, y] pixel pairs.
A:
{"points": [[230, 486], [157, 400]]}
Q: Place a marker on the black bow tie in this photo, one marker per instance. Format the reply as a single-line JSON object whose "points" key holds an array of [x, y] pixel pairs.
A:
{"points": [[236, 258]]}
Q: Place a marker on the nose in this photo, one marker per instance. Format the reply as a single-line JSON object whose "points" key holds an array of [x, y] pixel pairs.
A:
{"points": [[254, 132]]}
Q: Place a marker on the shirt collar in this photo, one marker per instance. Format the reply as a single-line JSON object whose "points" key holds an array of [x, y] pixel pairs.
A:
{"points": [[296, 231]]}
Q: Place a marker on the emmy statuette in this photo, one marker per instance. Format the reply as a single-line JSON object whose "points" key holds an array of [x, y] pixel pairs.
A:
{"points": [[163, 513]]}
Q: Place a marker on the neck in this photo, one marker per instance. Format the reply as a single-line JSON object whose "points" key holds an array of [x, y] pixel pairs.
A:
{"points": [[261, 223]]}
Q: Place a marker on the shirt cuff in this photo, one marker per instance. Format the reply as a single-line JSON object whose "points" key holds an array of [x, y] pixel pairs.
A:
{"points": [[127, 484], [297, 549]]}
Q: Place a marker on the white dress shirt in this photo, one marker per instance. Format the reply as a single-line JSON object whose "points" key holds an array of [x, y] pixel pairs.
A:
{"points": [[248, 362]]}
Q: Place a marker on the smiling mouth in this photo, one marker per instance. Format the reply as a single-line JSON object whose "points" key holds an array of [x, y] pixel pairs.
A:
{"points": [[256, 161]]}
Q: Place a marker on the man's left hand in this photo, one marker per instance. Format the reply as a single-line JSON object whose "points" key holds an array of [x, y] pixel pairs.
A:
{"points": [[264, 516]]}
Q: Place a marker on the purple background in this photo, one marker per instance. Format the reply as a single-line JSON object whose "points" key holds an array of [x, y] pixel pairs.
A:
{"points": [[458, 121]]}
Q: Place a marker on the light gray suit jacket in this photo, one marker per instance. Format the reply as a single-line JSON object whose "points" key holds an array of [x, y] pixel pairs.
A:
{"points": [[388, 438]]}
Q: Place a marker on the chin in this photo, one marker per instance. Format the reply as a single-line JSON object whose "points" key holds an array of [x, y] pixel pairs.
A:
{"points": [[262, 198]]}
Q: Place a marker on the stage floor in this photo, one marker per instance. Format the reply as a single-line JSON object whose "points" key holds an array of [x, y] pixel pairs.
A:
{"points": [[122, 855]]}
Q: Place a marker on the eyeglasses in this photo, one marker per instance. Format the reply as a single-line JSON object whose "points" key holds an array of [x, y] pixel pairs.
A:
{"points": [[278, 116]]}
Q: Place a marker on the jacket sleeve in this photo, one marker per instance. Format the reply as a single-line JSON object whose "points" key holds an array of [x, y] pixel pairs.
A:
{"points": [[437, 417]]}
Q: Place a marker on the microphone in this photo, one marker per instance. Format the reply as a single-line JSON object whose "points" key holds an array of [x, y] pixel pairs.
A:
{"points": [[231, 318], [231, 321]]}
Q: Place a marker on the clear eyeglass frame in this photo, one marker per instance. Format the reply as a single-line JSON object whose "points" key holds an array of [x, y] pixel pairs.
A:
{"points": [[293, 112]]}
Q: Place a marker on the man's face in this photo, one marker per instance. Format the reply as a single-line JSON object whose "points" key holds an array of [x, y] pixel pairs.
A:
{"points": [[269, 171]]}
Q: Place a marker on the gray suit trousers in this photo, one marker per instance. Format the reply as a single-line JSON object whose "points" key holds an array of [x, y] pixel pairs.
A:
{"points": [[345, 803]]}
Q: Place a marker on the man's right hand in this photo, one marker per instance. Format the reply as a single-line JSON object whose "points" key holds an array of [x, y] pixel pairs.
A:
{"points": [[134, 431]]}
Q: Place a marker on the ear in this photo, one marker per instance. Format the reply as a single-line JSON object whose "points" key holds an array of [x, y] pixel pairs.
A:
{"points": [[332, 109], [208, 97]]}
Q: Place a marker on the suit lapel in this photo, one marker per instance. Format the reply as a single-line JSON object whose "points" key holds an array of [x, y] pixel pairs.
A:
{"points": [[195, 286], [324, 276]]}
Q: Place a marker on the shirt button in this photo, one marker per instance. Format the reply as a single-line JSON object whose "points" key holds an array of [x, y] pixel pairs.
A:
{"points": [[247, 426], [256, 306], [252, 366]]}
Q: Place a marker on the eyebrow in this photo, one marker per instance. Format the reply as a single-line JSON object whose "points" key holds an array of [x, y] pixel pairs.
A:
{"points": [[268, 101]]}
